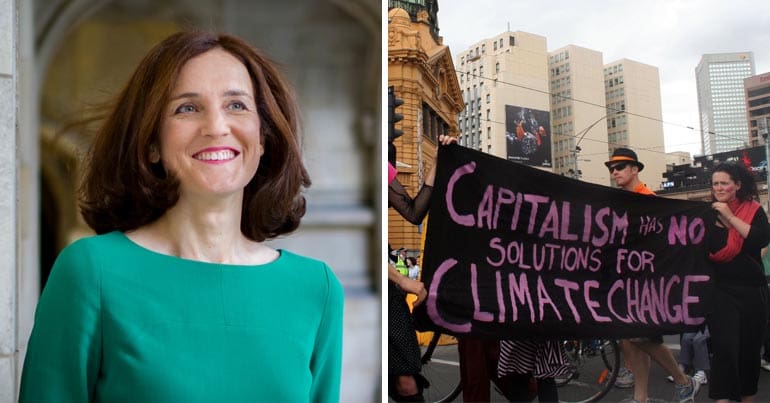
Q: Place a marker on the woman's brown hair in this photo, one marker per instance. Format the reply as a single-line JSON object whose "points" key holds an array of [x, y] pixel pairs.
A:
{"points": [[123, 190]]}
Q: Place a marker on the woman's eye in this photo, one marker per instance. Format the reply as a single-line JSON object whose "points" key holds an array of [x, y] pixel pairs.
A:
{"points": [[238, 106], [186, 108]]}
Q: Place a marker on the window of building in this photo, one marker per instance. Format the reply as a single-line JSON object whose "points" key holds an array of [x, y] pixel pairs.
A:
{"points": [[487, 114], [488, 97], [481, 71], [432, 124], [511, 41], [497, 67], [501, 42], [494, 45], [483, 48], [489, 133]]}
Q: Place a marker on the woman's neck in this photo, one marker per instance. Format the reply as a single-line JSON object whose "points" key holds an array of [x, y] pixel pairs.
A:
{"points": [[203, 232]]}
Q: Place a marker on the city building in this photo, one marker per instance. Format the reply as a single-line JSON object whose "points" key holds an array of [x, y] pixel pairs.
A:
{"points": [[564, 110], [578, 114], [422, 74], [721, 100], [693, 181], [635, 117], [678, 158], [757, 93], [504, 80]]}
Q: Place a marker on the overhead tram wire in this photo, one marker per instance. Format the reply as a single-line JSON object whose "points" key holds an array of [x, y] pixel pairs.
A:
{"points": [[602, 106], [575, 136]]}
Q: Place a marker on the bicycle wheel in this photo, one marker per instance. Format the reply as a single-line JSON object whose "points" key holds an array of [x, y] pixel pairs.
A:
{"points": [[594, 366], [441, 367]]}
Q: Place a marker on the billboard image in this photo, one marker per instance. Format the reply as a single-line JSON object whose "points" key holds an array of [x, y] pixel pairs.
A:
{"points": [[528, 136]]}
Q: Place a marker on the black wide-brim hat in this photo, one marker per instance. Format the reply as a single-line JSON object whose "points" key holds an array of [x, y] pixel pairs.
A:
{"points": [[624, 155]]}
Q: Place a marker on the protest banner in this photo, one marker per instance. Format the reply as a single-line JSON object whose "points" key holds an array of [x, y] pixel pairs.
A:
{"points": [[517, 252]]}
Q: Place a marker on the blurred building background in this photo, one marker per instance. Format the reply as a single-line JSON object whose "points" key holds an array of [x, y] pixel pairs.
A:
{"points": [[59, 57]]}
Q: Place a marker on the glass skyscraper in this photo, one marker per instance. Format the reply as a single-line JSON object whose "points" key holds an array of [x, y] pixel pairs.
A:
{"points": [[721, 100]]}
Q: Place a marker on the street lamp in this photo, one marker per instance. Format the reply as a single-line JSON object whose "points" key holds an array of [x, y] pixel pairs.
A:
{"points": [[580, 136], [767, 161]]}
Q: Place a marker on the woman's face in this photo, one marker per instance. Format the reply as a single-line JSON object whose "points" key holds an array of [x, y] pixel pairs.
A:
{"points": [[723, 187], [210, 131]]}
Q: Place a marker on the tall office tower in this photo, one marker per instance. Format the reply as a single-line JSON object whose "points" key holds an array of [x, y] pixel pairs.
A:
{"points": [[635, 117], [757, 90], [721, 100], [504, 82], [578, 113]]}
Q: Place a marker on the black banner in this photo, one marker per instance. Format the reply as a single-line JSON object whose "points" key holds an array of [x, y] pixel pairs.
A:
{"points": [[513, 251]]}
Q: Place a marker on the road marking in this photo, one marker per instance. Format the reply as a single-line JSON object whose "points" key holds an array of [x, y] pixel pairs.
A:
{"points": [[440, 361]]}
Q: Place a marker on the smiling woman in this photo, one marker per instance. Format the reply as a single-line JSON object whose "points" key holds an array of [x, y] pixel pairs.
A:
{"points": [[196, 163]]}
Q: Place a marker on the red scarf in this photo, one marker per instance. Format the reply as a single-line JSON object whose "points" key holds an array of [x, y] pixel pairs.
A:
{"points": [[745, 211]]}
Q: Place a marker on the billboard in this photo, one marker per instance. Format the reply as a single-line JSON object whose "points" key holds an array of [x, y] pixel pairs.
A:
{"points": [[528, 136]]}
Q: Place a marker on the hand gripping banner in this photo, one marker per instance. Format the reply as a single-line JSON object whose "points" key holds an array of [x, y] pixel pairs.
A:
{"points": [[516, 252]]}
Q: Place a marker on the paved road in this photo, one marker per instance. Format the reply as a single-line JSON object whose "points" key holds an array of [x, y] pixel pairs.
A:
{"points": [[660, 390]]}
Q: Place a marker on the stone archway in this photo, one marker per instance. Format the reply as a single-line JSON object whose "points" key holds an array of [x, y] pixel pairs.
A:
{"points": [[344, 202]]}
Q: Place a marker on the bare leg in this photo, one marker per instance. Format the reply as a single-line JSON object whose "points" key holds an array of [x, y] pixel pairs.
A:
{"points": [[406, 385], [663, 356], [625, 347], [640, 366]]}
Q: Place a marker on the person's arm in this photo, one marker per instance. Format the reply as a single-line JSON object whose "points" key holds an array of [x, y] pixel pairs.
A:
{"points": [[415, 287], [326, 363], [728, 219], [414, 210], [64, 350], [759, 231]]}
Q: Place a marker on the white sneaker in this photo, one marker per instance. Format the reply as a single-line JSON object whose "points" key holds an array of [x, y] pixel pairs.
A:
{"points": [[686, 393], [765, 365], [701, 377], [625, 379]]}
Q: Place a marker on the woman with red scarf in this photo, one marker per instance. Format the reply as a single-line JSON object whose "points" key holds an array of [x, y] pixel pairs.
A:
{"points": [[738, 319]]}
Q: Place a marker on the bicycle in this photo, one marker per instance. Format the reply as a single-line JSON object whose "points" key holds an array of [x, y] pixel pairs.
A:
{"points": [[441, 367], [593, 368]]}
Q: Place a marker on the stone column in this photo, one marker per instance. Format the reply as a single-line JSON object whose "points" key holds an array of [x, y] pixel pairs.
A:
{"points": [[27, 232], [8, 195]]}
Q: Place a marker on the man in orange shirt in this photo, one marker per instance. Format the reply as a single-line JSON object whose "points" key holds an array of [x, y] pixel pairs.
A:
{"points": [[624, 168]]}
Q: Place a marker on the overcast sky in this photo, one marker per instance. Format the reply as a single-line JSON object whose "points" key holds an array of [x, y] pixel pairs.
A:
{"points": [[669, 34]]}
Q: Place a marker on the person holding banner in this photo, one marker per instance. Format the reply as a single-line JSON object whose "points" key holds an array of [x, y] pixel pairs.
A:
{"points": [[478, 358], [404, 366], [738, 319], [624, 167]]}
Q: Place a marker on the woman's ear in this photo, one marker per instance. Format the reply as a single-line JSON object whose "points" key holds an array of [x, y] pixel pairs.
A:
{"points": [[154, 154]]}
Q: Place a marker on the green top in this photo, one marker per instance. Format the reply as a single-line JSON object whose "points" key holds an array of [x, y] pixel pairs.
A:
{"points": [[120, 323]]}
